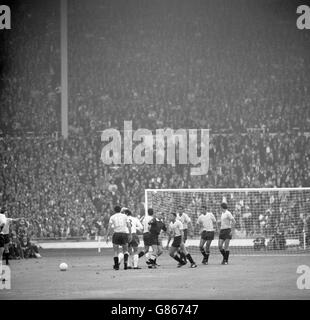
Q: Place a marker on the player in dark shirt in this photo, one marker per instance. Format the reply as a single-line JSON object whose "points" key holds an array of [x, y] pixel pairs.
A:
{"points": [[156, 226]]}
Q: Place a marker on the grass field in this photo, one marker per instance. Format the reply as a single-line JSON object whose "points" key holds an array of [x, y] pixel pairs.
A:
{"points": [[90, 276]]}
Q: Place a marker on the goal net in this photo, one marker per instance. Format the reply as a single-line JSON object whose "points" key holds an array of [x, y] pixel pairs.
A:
{"points": [[268, 220]]}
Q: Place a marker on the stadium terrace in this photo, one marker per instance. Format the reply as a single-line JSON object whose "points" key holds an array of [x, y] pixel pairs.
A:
{"points": [[163, 145]]}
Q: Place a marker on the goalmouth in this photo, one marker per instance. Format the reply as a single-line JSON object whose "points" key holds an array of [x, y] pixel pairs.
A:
{"points": [[268, 220]]}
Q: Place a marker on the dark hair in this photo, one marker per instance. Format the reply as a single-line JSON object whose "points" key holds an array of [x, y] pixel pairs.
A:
{"points": [[128, 212], [117, 209], [224, 205], [150, 211], [173, 213], [204, 207]]}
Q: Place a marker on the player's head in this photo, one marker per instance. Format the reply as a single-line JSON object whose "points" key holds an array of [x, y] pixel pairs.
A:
{"points": [[123, 210], [128, 212], [150, 211], [180, 209], [224, 206], [173, 216], [117, 209], [203, 209]]}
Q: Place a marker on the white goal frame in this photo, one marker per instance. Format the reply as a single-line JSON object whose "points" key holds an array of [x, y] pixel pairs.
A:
{"points": [[227, 190]]}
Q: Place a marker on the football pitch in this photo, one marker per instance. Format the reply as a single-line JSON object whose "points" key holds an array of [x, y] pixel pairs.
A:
{"points": [[90, 276]]}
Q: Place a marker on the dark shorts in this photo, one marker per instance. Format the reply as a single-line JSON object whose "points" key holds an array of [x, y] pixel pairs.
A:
{"points": [[147, 239], [120, 238], [225, 234], [134, 241], [185, 235], [6, 239], [207, 235], [155, 240], [2, 242], [176, 242]]}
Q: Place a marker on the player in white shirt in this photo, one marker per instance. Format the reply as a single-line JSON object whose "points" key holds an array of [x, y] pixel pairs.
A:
{"points": [[2, 224], [227, 223], [121, 227], [176, 233], [186, 221], [207, 224], [134, 243], [147, 237], [5, 223]]}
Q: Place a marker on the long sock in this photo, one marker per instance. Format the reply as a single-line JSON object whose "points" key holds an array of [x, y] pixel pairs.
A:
{"points": [[203, 252], [152, 259], [223, 253], [183, 256], [141, 254], [115, 261], [126, 255], [120, 257], [189, 257], [7, 257], [177, 258], [135, 260], [226, 255], [1, 268]]}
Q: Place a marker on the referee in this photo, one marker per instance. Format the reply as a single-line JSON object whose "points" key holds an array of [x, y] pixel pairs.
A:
{"points": [[227, 222]]}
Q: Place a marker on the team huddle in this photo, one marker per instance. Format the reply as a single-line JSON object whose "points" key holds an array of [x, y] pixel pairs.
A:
{"points": [[126, 229]]}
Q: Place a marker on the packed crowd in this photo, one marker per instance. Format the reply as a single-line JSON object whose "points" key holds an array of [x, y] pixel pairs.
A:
{"points": [[160, 66], [64, 188]]}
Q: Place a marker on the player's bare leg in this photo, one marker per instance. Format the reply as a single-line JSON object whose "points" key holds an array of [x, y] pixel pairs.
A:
{"points": [[135, 258], [160, 251]]}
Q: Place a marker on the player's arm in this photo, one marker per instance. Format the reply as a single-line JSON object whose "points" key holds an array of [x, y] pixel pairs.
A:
{"points": [[233, 221], [139, 226], [129, 225], [153, 221], [169, 237], [16, 219], [189, 222], [128, 222], [108, 232], [182, 235], [215, 226]]}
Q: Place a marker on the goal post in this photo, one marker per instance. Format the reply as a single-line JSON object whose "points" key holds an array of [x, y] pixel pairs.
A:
{"points": [[268, 220]]}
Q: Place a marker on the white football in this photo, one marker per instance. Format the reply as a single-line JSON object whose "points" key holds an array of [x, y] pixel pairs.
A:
{"points": [[63, 266]]}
